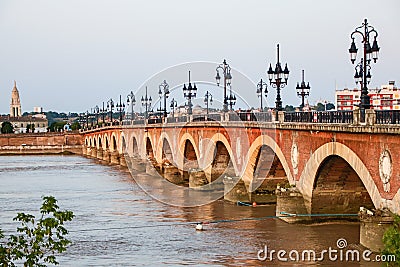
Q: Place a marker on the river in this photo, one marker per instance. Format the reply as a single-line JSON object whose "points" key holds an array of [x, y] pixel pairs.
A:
{"points": [[117, 224]]}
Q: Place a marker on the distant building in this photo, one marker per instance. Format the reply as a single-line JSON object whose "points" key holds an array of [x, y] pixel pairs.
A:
{"points": [[385, 98], [20, 124], [38, 122], [37, 109]]}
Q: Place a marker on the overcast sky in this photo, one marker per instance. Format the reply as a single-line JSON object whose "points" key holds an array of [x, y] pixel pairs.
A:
{"points": [[70, 55]]}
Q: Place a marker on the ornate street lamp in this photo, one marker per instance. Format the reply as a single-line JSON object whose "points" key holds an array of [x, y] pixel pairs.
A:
{"points": [[262, 89], [303, 90], [120, 108], [189, 93], [173, 105], [146, 102], [208, 99], [80, 119], [110, 107], [103, 112], [91, 117], [226, 70], [87, 118], [278, 79], [231, 99], [96, 110], [130, 99], [163, 91], [363, 74]]}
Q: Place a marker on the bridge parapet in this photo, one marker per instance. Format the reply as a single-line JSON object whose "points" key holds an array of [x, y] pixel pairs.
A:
{"points": [[379, 120]]}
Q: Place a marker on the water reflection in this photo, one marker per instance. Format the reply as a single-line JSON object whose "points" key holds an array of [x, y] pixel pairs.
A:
{"points": [[111, 210]]}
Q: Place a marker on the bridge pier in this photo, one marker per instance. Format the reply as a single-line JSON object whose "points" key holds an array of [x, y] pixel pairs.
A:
{"points": [[93, 152], [84, 150], [262, 190], [235, 190], [152, 167], [137, 164], [291, 201], [261, 197], [172, 174], [114, 158], [106, 156], [122, 160], [373, 227], [99, 153], [197, 178]]}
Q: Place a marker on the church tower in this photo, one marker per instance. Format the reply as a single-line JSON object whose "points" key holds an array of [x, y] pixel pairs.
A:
{"points": [[15, 107]]}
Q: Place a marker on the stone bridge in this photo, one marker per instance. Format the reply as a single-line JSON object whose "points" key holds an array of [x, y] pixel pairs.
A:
{"points": [[318, 167]]}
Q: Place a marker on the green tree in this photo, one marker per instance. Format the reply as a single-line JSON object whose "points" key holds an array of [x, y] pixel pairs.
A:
{"points": [[289, 108], [391, 242], [30, 128], [57, 126], [330, 106], [37, 241], [322, 107], [6, 127], [75, 126]]}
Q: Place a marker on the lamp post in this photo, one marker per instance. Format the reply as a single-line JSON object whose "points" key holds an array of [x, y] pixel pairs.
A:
{"points": [[262, 88], [80, 120], [91, 117], [231, 99], [120, 108], [303, 90], [87, 118], [173, 105], [226, 70], [110, 107], [103, 113], [96, 110], [163, 90], [363, 74], [278, 79], [146, 102], [130, 99], [208, 99], [189, 93]]}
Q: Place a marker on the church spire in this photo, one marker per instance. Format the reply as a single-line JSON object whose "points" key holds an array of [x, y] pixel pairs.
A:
{"points": [[15, 107]]}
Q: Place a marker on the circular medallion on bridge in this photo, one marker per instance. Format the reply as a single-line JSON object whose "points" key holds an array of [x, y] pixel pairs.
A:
{"points": [[385, 169], [295, 158]]}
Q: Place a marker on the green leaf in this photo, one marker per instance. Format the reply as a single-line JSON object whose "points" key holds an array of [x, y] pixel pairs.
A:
{"points": [[37, 241]]}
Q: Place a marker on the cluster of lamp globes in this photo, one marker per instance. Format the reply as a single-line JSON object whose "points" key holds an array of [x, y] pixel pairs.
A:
{"points": [[278, 77]]}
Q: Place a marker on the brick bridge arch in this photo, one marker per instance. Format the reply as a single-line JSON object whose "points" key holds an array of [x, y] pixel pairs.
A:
{"points": [[309, 175]]}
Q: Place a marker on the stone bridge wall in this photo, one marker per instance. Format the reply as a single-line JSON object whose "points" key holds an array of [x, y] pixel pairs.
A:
{"points": [[41, 143]]}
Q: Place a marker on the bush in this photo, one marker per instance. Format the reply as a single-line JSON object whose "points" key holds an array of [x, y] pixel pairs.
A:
{"points": [[7, 127], [37, 241], [391, 241]]}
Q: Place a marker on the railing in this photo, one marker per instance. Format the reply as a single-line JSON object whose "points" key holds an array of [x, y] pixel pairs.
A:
{"points": [[387, 116], [263, 116], [182, 119], [320, 117], [140, 121], [251, 116], [214, 117], [345, 117], [209, 117], [154, 120]]}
